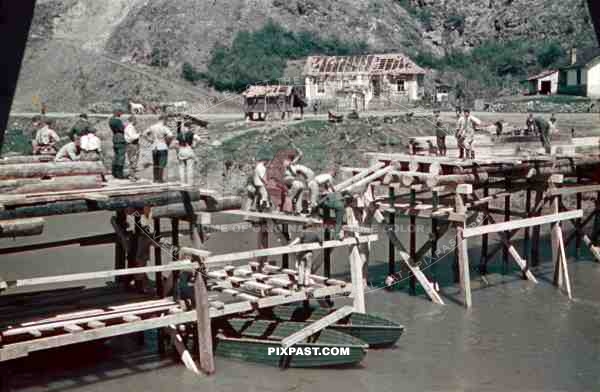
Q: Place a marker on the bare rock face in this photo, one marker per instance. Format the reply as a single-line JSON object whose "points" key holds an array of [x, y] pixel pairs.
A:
{"points": [[82, 51]]}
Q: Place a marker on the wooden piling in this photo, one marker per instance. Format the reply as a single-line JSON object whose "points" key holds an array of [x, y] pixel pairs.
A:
{"points": [[158, 257], [391, 249], [463, 253], [285, 259], [120, 250], [505, 254], [327, 253], [413, 242], [527, 231], [535, 237], [483, 261], [579, 229]]}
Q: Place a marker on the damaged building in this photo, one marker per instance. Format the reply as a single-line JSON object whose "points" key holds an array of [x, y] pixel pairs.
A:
{"points": [[363, 82]]}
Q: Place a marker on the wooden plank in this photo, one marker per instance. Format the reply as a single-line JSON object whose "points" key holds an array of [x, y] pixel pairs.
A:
{"points": [[563, 264], [193, 252], [22, 349], [95, 324], [72, 328], [174, 266], [522, 263], [278, 217], [520, 223], [317, 326], [569, 190], [463, 255], [129, 318], [21, 227], [224, 259]]}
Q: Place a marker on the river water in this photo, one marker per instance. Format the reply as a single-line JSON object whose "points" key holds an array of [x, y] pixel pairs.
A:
{"points": [[517, 337]]}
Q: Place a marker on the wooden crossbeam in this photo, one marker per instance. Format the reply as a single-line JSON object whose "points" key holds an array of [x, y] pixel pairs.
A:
{"points": [[184, 354], [272, 216], [224, 259], [569, 190], [364, 173], [174, 266], [521, 223], [317, 326]]}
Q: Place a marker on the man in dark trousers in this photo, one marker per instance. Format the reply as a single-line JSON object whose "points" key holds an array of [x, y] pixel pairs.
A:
{"points": [[440, 133], [119, 144], [80, 128], [543, 128]]}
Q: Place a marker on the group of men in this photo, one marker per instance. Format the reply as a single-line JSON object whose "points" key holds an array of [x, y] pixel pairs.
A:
{"points": [[83, 143], [298, 179], [467, 124]]}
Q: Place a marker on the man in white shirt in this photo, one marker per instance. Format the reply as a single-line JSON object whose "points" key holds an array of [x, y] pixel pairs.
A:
{"points": [[69, 152], [322, 181], [465, 134], [45, 138], [259, 181], [91, 146], [161, 137], [132, 138]]}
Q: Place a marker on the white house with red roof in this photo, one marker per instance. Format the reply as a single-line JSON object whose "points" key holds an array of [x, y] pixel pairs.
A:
{"points": [[360, 79]]}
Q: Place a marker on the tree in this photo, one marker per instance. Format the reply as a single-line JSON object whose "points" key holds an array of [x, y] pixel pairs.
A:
{"points": [[551, 53]]}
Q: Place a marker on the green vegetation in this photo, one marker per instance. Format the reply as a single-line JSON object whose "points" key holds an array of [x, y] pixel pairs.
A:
{"points": [[189, 73], [159, 58], [496, 65], [16, 141], [260, 56]]}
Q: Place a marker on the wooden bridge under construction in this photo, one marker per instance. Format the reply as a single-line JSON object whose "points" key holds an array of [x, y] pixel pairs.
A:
{"points": [[469, 198]]}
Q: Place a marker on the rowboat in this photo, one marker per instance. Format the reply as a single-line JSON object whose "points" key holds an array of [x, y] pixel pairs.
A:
{"points": [[373, 330], [260, 341]]}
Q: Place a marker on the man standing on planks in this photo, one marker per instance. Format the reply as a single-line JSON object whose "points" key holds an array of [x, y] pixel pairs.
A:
{"points": [[304, 260], [132, 137], [465, 134], [440, 133], [119, 144], [543, 128], [161, 137]]}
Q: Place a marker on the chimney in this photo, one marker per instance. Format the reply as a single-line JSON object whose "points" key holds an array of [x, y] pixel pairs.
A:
{"points": [[573, 55]]}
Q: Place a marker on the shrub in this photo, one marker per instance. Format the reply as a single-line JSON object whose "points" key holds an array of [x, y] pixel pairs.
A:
{"points": [[159, 58], [189, 73], [261, 56], [550, 54]]}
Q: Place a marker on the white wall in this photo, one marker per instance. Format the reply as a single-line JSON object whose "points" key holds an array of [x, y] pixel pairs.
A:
{"points": [[553, 79], [593, 80]]}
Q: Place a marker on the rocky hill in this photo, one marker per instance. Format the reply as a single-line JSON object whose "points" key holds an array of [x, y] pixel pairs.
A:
{"points": [[83, 51]]}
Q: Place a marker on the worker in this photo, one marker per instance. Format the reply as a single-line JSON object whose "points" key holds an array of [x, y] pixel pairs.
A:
{"points": [[119, 145], [440, 133], [132, 138], [91, 146], [304, 260], [529, 124], [322, 181], [69, 152], [161, 137], [543, 128], [80, 127], [465, 134], [185, 153], [45, 137], [336, 201], [295, 178], [553, 120], [259, 181]]}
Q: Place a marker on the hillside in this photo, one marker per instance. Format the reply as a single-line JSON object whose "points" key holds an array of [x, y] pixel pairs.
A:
{"points": [[82, 52]]}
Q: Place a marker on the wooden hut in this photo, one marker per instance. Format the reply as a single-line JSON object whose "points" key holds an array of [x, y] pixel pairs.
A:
{"points": [[262, 100]]}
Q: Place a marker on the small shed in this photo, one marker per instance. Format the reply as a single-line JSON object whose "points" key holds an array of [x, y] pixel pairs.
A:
{"points": [[442, 93], [261, 100], [545, 83]]}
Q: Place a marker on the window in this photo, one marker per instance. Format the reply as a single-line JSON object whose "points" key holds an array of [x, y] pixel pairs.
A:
{"points": [[401, 85]]}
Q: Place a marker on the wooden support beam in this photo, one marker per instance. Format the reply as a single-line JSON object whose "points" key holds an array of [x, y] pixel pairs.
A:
{"points": [[317, 326], [358, 287], [182, 350], [463, 254], [208, 204], [205, 342], [578, 234], [506, 219], [517, 224], [412, 266], [50, 169], [367, 180], [120, 246]]}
